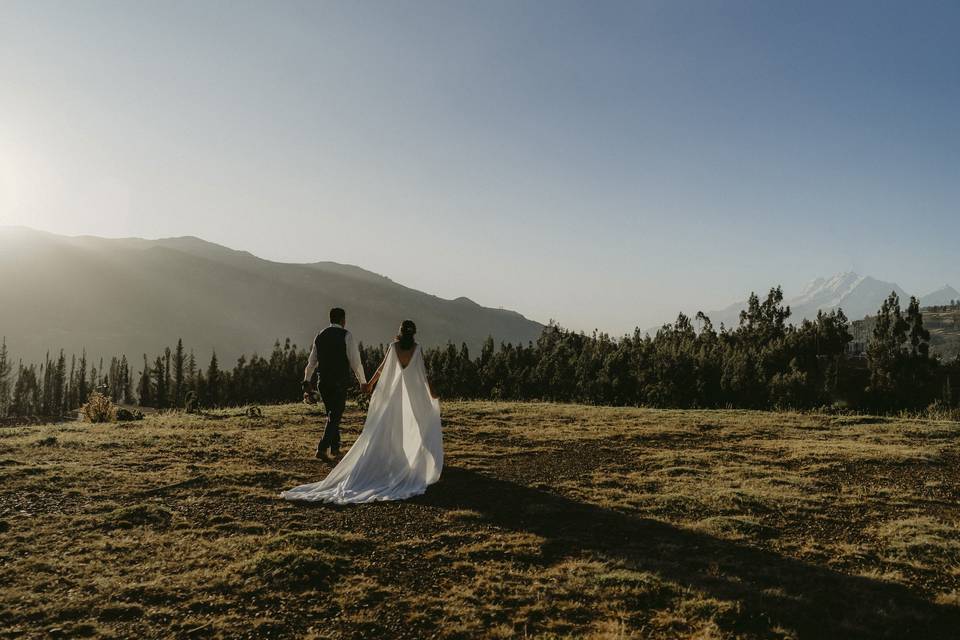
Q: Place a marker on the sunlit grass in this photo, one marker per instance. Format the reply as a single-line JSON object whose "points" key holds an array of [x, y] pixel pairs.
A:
{"points": [[549, 521]]}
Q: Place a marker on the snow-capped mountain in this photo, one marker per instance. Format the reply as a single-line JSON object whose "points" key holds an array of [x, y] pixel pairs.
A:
{"points": [[828, 292], [857, 295], [942, 296]]}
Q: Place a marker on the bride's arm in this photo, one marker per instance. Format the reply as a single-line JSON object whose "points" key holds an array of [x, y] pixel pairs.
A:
{"points": [[376, 376]]}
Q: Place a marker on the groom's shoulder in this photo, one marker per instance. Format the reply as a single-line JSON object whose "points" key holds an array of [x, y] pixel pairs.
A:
{"points": [[333, 330]]}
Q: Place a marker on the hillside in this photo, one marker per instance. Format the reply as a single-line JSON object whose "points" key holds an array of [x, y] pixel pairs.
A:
{"points": [[943, 323], [944, 326], [549, 521], [132, 296]]}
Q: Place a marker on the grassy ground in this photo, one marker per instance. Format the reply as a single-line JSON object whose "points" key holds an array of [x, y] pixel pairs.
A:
{"points": [[549, 521]]}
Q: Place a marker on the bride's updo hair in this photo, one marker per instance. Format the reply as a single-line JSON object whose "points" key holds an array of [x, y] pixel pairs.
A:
{"points": [[405, 337]]}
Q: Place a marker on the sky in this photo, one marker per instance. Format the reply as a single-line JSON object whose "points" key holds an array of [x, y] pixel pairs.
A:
{"points": [[602, 164]]}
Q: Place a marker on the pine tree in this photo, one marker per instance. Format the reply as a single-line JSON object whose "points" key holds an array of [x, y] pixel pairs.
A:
{"points": [[72, 400], [213, 382], [885, 354], [917, 386], [192, 372], [5, 382], [26, 392], [168, 378], [160, 384], [59, 386], [45, 385], [919, 336], [127, 383], [83, 391], [178, 375], [145, 388], [114, 380]]}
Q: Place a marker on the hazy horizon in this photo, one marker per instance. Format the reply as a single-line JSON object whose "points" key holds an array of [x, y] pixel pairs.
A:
{"points": [[788, 293], [602, 165]]}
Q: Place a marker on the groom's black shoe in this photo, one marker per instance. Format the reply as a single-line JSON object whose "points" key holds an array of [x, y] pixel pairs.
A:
{"points": [[321, 450], [335, 451]]}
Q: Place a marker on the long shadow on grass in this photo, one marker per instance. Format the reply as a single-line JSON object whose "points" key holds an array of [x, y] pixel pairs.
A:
{"points": [[774, 591]]}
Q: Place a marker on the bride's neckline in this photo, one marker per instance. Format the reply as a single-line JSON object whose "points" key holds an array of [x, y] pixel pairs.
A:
{"points": [[412, 353]]}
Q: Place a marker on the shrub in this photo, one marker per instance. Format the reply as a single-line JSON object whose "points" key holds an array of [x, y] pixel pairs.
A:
{"points": [[126, 415], [940, 410], [137, 515], [789, 389], [99, 408], [190, 404]]}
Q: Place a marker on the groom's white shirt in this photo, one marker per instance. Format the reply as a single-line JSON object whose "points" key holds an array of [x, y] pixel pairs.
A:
{"points": [[353, 355]]}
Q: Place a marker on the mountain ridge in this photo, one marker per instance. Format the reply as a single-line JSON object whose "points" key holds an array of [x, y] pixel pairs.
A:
{"points": [[135, 295], [942, 296]]}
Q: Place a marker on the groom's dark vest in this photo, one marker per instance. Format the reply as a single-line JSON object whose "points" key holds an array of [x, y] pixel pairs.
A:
{"points": [[333, 367]]}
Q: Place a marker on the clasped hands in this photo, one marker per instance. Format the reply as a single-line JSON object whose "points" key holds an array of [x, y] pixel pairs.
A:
{"points": [[308, 397], [366, 387]]}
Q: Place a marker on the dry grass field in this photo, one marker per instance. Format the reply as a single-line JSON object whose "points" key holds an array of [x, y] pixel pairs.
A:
{"points": [[549, 522]]}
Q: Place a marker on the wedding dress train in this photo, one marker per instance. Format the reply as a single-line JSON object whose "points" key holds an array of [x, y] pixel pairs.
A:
{"points": [[400, 451]]}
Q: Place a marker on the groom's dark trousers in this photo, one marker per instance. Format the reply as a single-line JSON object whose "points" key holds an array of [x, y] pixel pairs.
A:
{"points": [[333, 373], [334, 398]]}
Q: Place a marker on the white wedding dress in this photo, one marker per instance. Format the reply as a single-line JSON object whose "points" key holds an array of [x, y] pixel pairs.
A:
{"points": [[400, 451]]}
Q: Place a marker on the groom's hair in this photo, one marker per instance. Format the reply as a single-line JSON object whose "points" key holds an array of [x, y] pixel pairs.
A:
{"points": [[338, 315]]}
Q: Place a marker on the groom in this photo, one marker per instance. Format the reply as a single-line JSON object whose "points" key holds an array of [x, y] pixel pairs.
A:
{"points": [[334, 354]]}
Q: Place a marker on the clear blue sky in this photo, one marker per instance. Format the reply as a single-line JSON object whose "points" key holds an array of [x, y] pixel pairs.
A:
{"points": [[605, 164]]}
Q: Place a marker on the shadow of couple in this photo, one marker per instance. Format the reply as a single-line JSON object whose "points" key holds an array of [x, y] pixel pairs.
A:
{"points": [[776, 594]]}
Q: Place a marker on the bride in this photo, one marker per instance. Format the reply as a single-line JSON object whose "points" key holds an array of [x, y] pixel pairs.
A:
{"points": [[400, 451]]}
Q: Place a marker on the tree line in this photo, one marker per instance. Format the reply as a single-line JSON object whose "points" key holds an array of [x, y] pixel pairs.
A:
{"points": [[173, 379], [953, 305], [53, 388], [763, 362]]}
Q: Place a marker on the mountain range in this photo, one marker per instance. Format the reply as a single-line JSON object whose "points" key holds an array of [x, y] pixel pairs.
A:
{"points": [[133, 296], [857, 295]]}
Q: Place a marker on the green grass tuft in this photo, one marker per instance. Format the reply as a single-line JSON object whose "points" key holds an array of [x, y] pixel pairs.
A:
{"points": [[136, 516]]}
